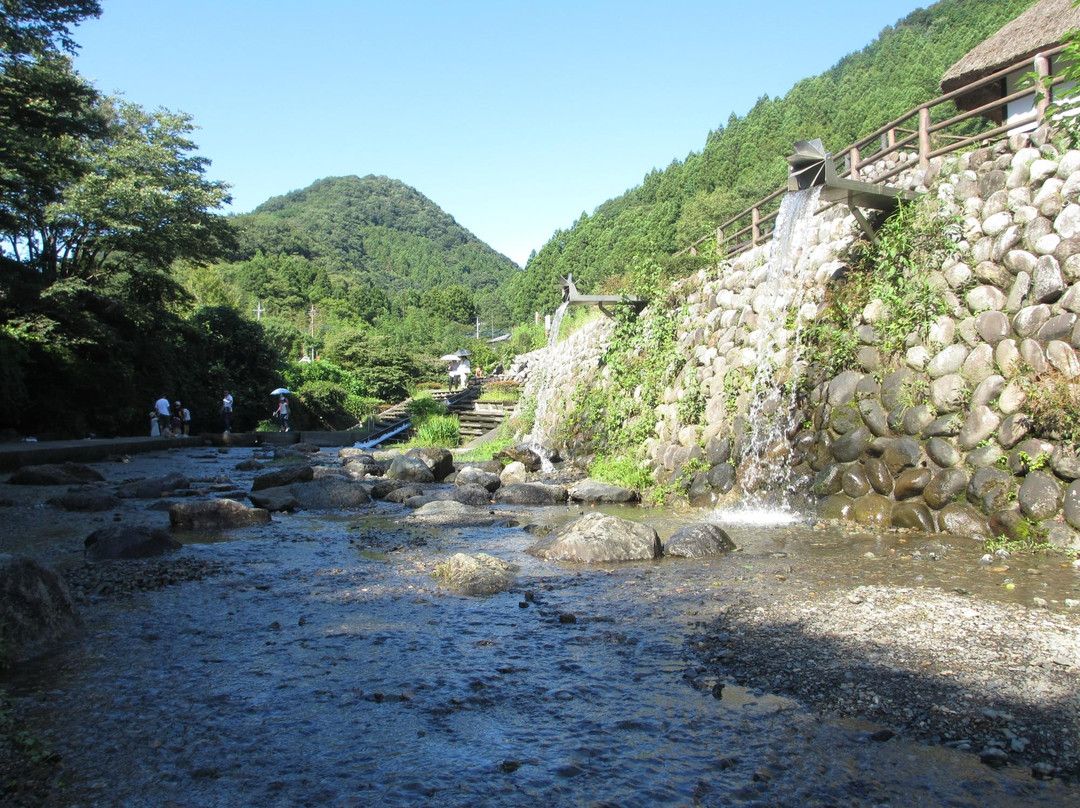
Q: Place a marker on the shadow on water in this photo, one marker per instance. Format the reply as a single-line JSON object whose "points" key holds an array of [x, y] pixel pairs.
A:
{"points": [[330, 668]]}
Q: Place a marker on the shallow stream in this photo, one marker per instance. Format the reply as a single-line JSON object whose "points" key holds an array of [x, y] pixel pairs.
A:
{"points": [[328, 668]]}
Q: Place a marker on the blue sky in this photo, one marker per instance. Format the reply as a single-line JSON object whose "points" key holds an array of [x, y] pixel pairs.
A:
{"points": [[514, 117]]}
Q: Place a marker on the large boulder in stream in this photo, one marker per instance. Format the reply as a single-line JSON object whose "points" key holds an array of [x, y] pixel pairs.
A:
{"points": [[698, 541], [477, 574], [531, 494], [296, 473], [56, 474], [598, 491], [215, 514], [153, 487], [448, 512], [474, 475], [410, 470], [598, 538], [439, 461], [128, 541], [324, 494], [35, 606]]}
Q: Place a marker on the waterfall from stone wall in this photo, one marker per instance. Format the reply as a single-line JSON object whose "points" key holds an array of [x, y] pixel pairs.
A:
{"points": [[556, 323], [764, 474]]}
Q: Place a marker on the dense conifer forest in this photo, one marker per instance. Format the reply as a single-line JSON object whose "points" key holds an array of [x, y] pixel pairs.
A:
{"points": [[122, 279]]}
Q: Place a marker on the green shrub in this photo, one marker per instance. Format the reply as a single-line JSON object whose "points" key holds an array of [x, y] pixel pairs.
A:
{"points": [[438, 430], [424, 406], [622, 470], [1053, 403], [501, 391]]}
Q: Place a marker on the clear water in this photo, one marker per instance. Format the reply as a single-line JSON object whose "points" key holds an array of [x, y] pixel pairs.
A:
{"points": [[329, 669]]}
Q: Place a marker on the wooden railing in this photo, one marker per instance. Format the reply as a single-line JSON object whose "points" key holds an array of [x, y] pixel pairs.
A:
{"points": [[910, 141]]}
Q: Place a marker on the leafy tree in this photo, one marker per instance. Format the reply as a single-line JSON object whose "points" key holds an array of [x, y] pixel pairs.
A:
{"points": [[34, 27]]}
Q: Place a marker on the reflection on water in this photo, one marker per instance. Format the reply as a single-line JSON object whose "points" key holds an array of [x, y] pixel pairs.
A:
{"points": [[314, 676]]}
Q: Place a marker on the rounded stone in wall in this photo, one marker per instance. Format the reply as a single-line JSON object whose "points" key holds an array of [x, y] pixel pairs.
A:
{"points": [[837, 506], [1071, 504], [842, 387], [916, 419], [995, 223], [1018, 293], [948, 360], [1035, 230], [873, 509], [868, 358], [990, 488], [980, 424], [1007, 357], [1047, 281], [1066, 462], [990, 182], [1017, 261], [1032, 353], [913, 516], [1014, 428], [917, 357], [851, 446], [1005, 241], [900, 454], [1012, 398], [1070, 301], [1009, 522], [911, 483], [961, 519], [1068, 257], [945, 487], [942, 331], [985, 456], [947, 426], [1067, 223], [892, 386], [994, 274], [854, 482], [1061, 535], [948, 393], [1062, 356], [988, 390], [874, 416], [942, 452], [1030, 319], [828, 480], [984, 298], [1040, 496], [877, 474], [993, 326], [1031, 452]]}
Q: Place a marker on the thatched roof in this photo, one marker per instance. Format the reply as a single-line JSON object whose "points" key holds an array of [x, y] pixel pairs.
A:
{"points": [[1042, 26]]}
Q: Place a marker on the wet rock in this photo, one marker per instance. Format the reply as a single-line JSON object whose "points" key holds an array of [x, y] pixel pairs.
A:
{"points": [[699, 541], [383, 488], [913, 516], [448, 512], [829, 480], [851, 446], [989, 488], [469, 494], [153, 487], [275, 500], [515, 472], [410, 470], [55, 474], [1010, 523], [472, 475], [854, 482], [874, 416], [900, 454], [476, 574], [945, 487], [251, 464], [942, 452], [403, 492], [597, 538], [911, 483], [873, 509], [35, 607], [721, 477], [523, 454], [837, 506], [531, 494], [128, 541], [960, 519], [597, 491], [216, 514], [1040, 496], [878, 475], [283, 476], [440, 461], [718, 450], [330, 494], [363, 465], [88, 499]]}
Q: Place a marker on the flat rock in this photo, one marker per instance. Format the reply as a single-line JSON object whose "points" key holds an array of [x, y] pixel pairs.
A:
{"points": [[215, 514], [698, 541], [599, 538], [598, 491], [56, 474], [128, 541], [476, 574]]}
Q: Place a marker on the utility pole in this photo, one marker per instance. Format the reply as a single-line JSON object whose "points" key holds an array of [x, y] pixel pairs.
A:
{"points": [[311, 317], [258, 310]]}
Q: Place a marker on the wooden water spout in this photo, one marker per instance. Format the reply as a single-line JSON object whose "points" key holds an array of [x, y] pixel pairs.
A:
{"points": [[811, 165], [571, 297]]}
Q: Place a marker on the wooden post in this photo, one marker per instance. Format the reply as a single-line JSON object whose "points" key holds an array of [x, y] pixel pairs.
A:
{"points": [[924, 137], [1042, 92], [719, 241], [855, 158], [755, 221]]}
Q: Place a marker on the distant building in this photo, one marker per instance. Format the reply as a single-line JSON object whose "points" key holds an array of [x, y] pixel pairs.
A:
{"points": [[1041, 28]]}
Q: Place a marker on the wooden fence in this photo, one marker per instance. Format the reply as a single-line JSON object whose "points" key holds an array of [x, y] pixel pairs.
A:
{"points": [[909, 141]]}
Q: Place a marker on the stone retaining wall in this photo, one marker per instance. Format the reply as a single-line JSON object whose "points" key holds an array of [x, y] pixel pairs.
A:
{"points": [[936, 439]]}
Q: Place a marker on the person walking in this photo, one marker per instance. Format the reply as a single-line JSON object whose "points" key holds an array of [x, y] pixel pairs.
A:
{"points": [[185, 417], [176, 426], [226, 411], [282, 414]]}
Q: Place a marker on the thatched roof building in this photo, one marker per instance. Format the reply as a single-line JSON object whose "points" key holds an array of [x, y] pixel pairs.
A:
{"points": [[1041, 27]]}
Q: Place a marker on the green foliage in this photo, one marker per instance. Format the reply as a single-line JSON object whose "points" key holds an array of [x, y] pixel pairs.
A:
{"points": [[503, 391], [424, 406], [623, 470], [1030, 539], [439, 430], [1053, 405]]}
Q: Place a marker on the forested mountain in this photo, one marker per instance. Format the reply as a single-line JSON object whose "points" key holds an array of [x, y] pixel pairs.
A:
{"points": [[362, 246], [743, 160]]}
